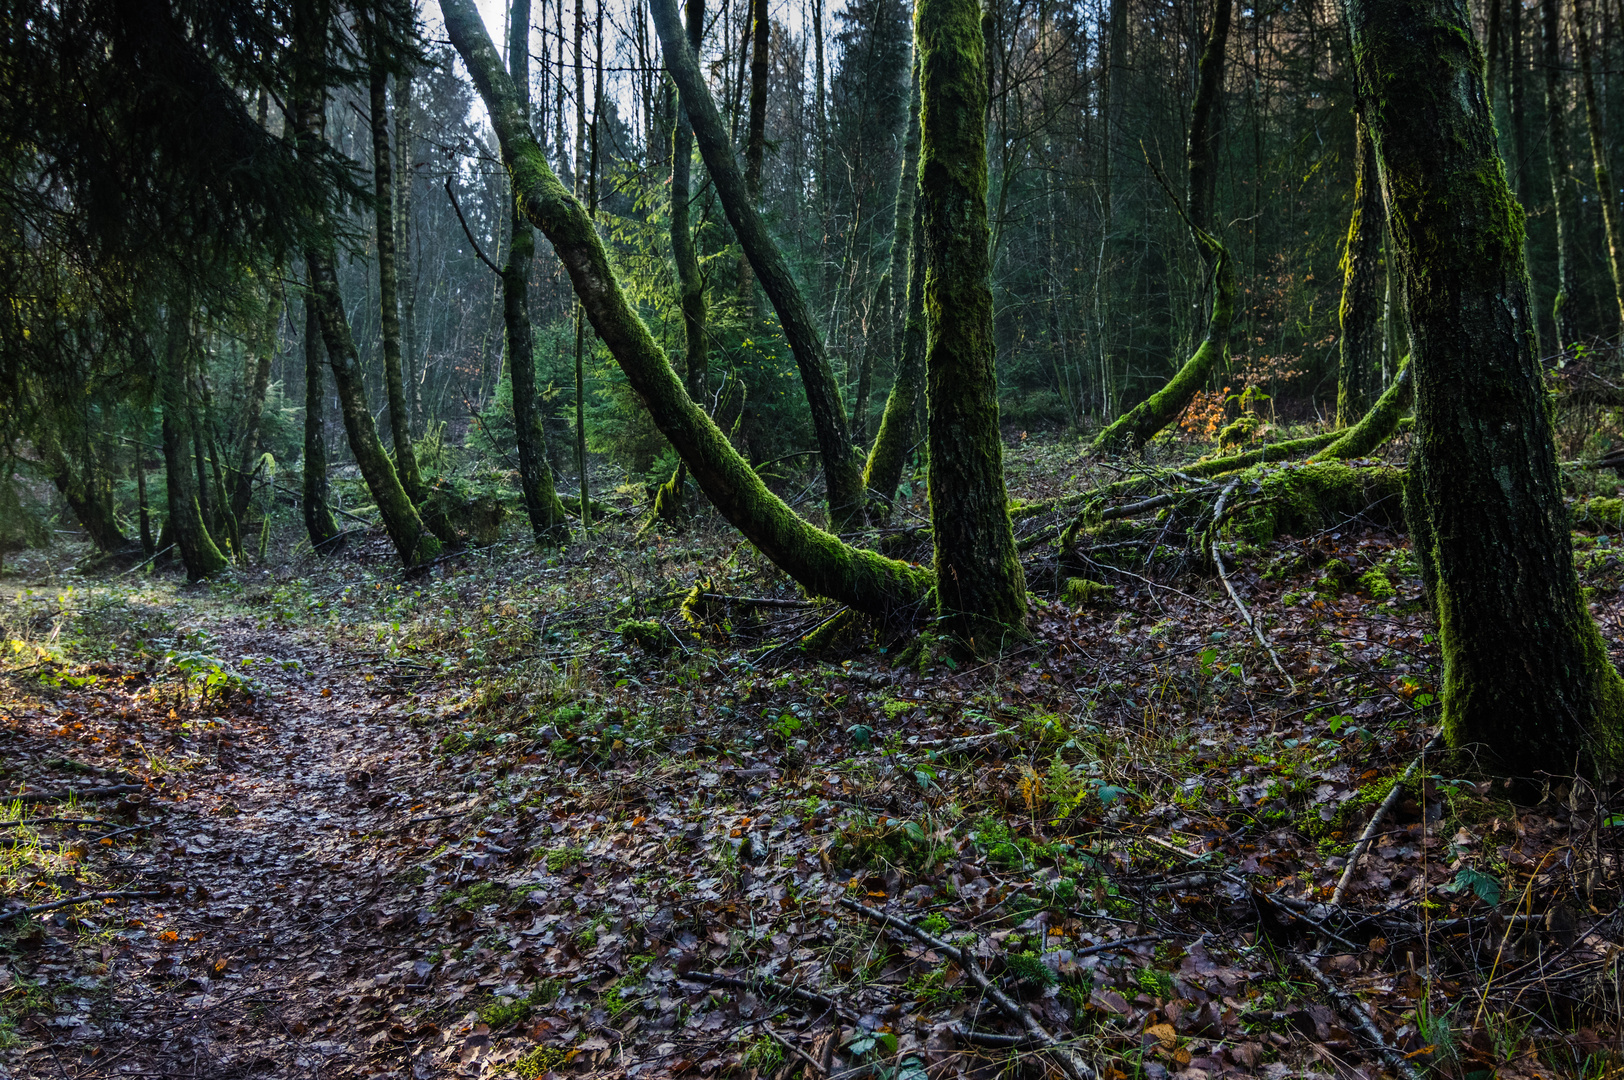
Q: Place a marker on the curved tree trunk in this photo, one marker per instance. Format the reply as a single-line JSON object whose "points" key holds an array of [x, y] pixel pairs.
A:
{"points": [[841, 467], [1134, 429], [895, 438], [818, 561], [414, 543], [87, 490], [400, 417], [1358, 373], [1526, 675], [318, 516], [548, 519], [755, 143], [980, 589]]}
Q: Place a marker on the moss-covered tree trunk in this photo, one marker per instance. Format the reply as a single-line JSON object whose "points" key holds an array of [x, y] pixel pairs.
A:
{"points": [[1526, 676], [818, 561], [1607, 195], [400, 417], [1358, 375], [403, 249], [548, 519], [668, 502], [841, 465], [87, 489], [755, 142], [198, 552], [320, 525], [1562, 194], [1135, 428], [895, 438], [980, 589], [414, 543], [876, 340]]}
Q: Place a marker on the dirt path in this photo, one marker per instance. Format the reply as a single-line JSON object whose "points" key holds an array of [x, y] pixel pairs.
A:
{"points": [[280, 952]]}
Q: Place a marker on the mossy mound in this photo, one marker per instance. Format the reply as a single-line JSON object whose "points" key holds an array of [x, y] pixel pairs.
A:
{"points": [[1599, 513], [1297, 499]]}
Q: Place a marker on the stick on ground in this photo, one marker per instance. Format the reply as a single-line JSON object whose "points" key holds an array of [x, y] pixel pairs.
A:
{"points": [[1375, 824]]}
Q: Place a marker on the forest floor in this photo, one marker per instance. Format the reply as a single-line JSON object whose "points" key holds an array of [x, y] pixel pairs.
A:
{"points": [[522, 817]]}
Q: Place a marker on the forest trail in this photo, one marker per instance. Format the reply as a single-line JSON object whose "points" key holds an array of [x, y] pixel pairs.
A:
{"points": [[279, 953]]}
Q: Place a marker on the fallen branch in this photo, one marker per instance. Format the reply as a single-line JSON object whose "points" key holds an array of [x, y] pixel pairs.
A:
{"points": [[74, 793], [1223, 576], [1371, 829], [88, 898], [1353, 1011], [53, 821], [965, 958], [763, 983]]}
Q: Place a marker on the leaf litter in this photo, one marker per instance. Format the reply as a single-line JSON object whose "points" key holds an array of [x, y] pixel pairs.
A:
{"points": [[488, 824]]}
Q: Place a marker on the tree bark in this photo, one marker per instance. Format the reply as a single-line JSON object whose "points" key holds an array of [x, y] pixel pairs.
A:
{"points": [[548, 519], [412, 540], [1134, 429], [895, 438], [400, 419], [1201, 151], [1556, 126], [403, 256], [1359, 363], [1526, 676], [259, 385], [755, 144], [877, 337], [318, 515], [1605, 193], [818, 561], [841, 467], [198, 552], [87, 490], [980, 588]]}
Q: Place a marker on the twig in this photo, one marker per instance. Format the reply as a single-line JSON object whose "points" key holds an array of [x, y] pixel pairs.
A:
{"points": [[335, 509], [469, 232], [150, 558], [1119, 943], [1375, 824], [87, 898], [762, 983], [73, 793], [757, 601], [965, 958], [1352, 1010], [53, 821], [792, 1048], [1246, 616]]}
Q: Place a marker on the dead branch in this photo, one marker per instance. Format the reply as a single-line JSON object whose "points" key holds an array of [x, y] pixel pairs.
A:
{"points": [[88, 898], [1354, 1012], [74, 793], [764, 984], [965, 958], [1223, 576], [1375, 824]]}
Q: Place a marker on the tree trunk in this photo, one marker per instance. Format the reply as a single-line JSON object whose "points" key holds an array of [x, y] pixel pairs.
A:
{"points": [[1556, 126], [668, 502], [1605, 193], [86, 490], [404, 264], [755, 145], [980, 589], [318, 516], [546, 513], [198, 552], [1359, 366], [895, 438], [841, 468], [259, 385], [143, 507], [1144, 420], [400, 418], [1201, 151], [818, 561], [876, 338], [413, 542], [1526, 676]]}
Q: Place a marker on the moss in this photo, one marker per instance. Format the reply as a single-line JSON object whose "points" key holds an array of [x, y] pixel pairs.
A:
{"points": [[1379, 421], [1300, 499], [1600, 513], [647, 634], [1239, 432], [1083, 591]]}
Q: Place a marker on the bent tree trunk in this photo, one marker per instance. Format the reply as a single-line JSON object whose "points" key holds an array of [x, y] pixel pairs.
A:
{"points": [[1135, 428], [755, 143], [318, 516], [883, 471], [548, 520], [198, 552], [980, 589], [88, 491], [821, 563], [1525, 671], [1358, 376], [841, 467], [690, 284], [412, 541]]}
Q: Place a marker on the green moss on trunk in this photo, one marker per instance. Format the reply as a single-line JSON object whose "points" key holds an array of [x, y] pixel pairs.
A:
{"points": [[318, 515], [198, 552], [980, 588], [1358, 374], [820, 562], [1526, 677]]}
